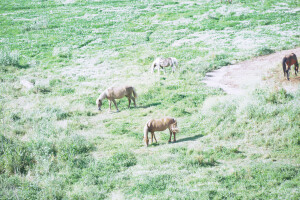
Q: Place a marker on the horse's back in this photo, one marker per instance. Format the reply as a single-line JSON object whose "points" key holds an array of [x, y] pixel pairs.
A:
{"points": [[156, 125], [160, 124], [164, 62], [116, 92], [290, 59]]}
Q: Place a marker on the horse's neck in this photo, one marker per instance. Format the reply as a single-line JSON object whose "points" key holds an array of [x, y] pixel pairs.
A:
{"points": [[102, 95]]}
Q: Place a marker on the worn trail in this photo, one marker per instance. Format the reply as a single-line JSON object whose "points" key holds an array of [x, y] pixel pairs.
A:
{"points": [[261, 71]]}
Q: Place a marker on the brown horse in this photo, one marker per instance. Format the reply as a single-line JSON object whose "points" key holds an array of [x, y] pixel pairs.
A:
{"points": [[290, 60], [113, 93], [160, 125]]}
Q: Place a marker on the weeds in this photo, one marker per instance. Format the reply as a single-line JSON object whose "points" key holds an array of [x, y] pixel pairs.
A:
{"points": [[8, 57]]}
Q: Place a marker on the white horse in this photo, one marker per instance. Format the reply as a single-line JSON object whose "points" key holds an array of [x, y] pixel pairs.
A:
{"points": [[163, 63]]}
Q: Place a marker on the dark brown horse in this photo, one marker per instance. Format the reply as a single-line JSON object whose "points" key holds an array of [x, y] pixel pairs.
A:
{"points": [[290, 60]]}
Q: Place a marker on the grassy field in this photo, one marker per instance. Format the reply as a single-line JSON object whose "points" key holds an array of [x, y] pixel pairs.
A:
{"points": [[55, 144]]}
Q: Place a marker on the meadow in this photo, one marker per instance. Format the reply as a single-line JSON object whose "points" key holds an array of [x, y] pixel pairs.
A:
{"points": [[55, 144]]}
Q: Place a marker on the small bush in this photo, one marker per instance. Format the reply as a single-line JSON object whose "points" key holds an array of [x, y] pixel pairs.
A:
{"points": [[15, 157], [124, 159], [278, 97], [19, 131], [71, 146], [15, 117], [66, 91], [41, 89], [264, 51], [81, 78], [61, 115], [15, 186], [8, 57], [62, 52], [55, 82]]}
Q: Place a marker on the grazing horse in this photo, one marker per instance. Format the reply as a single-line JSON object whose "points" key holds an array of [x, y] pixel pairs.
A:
{"points": [[290, 60], [113, 93], [160, 125], [163, 63]]}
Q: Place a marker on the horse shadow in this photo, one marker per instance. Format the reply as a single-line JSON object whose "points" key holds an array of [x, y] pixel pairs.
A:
{"points": [[192, 138], [149, 105]]}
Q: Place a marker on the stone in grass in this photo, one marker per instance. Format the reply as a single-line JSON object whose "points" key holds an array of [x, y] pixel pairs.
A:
{"points": [[27, 84]]}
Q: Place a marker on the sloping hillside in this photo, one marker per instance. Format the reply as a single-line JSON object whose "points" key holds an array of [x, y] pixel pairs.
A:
{"points": [[56, 56]]}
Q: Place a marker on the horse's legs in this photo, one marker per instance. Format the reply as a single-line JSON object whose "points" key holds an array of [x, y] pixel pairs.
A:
{"points": [[152, 137], [174, 133], [287, 73], [173, 68], [170, 135], [146, 140], [113, 100], [109, 105], [133, 99], [129, 101]]}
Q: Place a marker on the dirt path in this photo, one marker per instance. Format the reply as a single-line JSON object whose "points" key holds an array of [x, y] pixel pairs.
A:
{"points": [[244, 77]]}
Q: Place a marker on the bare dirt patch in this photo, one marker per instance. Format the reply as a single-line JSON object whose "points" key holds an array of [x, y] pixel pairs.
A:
{"points": [[262, 71]]}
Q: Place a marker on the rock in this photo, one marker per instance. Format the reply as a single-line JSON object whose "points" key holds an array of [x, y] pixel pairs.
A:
{"points": [[26, 84]]}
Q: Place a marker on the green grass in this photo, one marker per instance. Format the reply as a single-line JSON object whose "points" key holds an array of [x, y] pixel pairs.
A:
{"points": [[56, 145]]}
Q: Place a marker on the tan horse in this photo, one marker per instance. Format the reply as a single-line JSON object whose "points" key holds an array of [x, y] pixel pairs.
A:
{"points": [[113, 93], [163, 63], [160, 125], [290, 60]]}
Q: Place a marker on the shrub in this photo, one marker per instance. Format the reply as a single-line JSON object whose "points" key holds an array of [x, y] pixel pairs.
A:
{"points": [[62, 52], [8, 57], [67, 91], [71, 146], [15, 157], [14, 186], [264, 51], [41, 89], [278, 97], [55, 82]]}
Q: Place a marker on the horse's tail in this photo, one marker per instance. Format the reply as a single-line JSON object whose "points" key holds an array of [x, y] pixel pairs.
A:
{"points": [[153, 65], [283, 65], [297, 64], [134, 93], [175, 62], [146, 130]]}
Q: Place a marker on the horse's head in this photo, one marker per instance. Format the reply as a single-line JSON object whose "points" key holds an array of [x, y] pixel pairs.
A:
{"points": [[99, 103], [174, 127]]}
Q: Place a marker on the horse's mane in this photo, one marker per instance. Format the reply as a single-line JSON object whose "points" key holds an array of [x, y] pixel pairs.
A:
{"points": [[102, 95]]}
